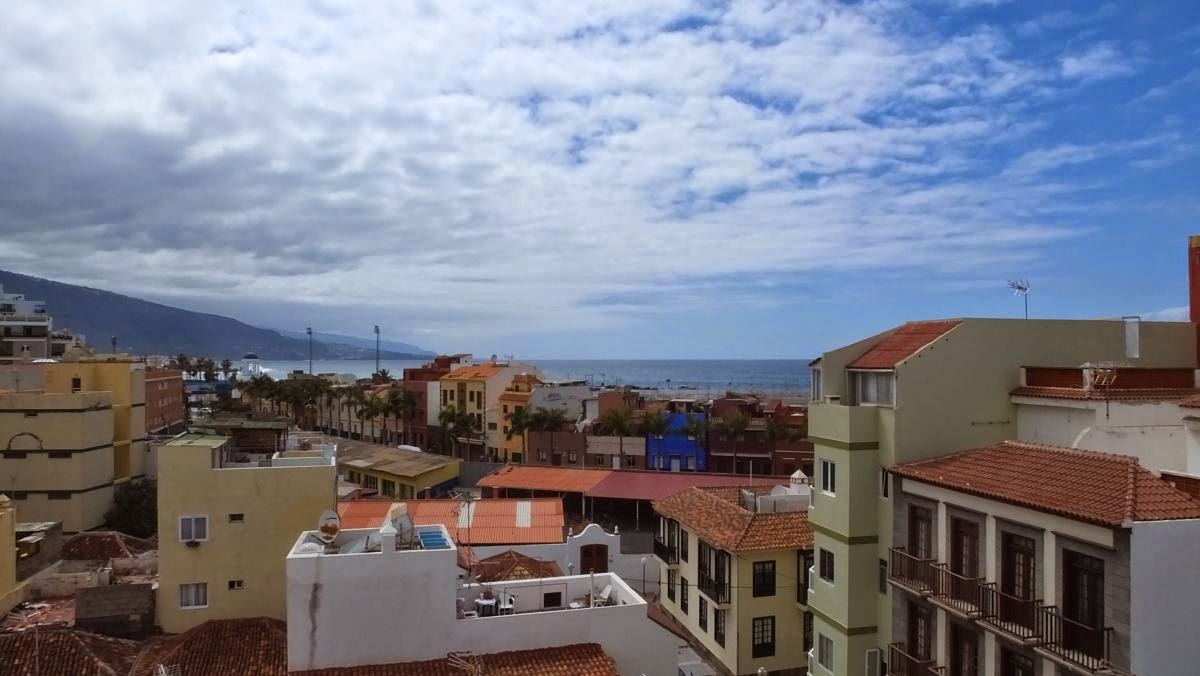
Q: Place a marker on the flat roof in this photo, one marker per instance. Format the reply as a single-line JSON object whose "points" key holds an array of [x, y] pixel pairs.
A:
{"points": [[240, 424], [555, 479], [197, 439], [379, 458], [491, 521], [618, 484]]}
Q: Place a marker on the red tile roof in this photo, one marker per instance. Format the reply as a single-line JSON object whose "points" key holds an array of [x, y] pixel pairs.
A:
{"points": [[1115, 394], [473, 372], [580, 659], [1191, 402], [1101, 488], [903, 343], [651, 485], [495, 521], [248, 647], [65, 651], [104, 545], [511, 565], [555, 479], [716, 515]]}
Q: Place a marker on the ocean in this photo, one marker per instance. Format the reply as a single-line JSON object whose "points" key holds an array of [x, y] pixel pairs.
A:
{"points": [[685, 377]]}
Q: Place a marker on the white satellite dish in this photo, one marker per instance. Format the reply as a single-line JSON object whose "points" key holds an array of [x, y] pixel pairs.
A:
{"points": [[328, 526]]}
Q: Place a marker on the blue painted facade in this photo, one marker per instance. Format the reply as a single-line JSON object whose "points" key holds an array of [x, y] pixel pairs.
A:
{"points": [[660, 453]]}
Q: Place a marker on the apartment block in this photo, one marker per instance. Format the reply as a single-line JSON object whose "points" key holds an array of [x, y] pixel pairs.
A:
{"points": [[1021, 559], [166, 404], [125, 379], [475, 390], [57, 459], [226, 518], [423, 383], [25, 328], [735, 574]]}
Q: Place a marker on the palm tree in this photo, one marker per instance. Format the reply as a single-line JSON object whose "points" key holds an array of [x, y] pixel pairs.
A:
{"points": [[259, 387], [382, 376], [619, 423], [226, 367], [653, 426], [370, 409], [549, 420], [455, 424], [518, 423], [353, 398], [695, 427], [183, 363], [402, 404], [733, 425]]}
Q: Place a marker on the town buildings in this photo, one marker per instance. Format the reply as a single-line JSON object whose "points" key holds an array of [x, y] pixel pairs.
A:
{"points": [[166, 404], [226, 515], [25, 328], [424, 384], [1021, 558], [735, 573], [475, 390], [396, 472]]}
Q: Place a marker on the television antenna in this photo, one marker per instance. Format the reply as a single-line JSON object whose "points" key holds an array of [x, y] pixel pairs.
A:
{"points": [[1021, 287]]}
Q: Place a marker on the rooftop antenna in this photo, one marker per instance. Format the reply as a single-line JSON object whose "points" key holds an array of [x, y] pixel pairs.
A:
{"points": [[1021, 288]]}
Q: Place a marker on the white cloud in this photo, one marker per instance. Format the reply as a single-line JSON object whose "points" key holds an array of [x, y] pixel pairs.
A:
{"points": [[1171, 314], [1097, 63]]}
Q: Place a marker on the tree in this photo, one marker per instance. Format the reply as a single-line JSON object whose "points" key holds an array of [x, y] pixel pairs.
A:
{"points": [[653, 426], [518, 423], [777, 431], [619, 423], [695, 427], [382, 376], [135, 509], [401, 403], [226, 368], [455, 425], [259, 387], [549, 420], [354, 398], [182, 363], [371, 408], [733, 425]]}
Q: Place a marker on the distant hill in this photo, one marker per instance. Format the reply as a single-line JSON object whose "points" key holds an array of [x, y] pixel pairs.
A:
{"points": [[357, 341], [143, 327]]}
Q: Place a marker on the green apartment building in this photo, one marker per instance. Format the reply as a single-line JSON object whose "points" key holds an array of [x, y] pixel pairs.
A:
{"points": [[923, 390]]}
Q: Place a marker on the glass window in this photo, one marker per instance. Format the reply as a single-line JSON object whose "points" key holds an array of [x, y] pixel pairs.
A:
{"points": [[883, 573], [764, 578], [816, 384], [828, 476], [237, 585], [671, 585], [193, 528], [719, 627], [873, 388], [808, 631], [825, 652], [683, 545], [193, 595], [703, 614], [762, 631], [683, 594], [826, 565], [885, 481]]}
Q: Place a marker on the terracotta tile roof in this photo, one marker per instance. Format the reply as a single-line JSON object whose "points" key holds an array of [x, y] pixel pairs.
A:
{"points": [[715, 515], [104, 545], [903, 343], [65, 651], [580, 659], [494, 521], [1101, 488], [249, 647], [515, 397], [474, 372], [556, 479], [1127, 394], [511, 565], [655, 485], [1191, 402]]}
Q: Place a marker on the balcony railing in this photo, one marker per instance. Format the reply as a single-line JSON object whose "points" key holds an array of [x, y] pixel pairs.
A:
{"points": [[668, 554], [1073, 641], [714, 588], [1013, 615], [903, 663], [918, 575], [958, 592]]}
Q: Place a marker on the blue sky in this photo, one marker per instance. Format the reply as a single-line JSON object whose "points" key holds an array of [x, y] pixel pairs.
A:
{"points": [[607, 179]]}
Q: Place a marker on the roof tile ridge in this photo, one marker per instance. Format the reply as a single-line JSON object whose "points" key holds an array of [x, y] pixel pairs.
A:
{"points": [[1068, 450], [1131, 492]]}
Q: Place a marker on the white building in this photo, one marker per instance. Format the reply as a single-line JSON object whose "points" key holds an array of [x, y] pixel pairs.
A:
{"points": [[395, 594], [567, 395], [25, 328]]}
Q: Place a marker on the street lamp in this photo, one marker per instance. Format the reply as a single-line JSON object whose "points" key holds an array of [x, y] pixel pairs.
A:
{"points": [[309, 332], [377, 348], [643, 576]]}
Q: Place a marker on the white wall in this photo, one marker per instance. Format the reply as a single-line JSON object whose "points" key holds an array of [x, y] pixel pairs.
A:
{"points": [[1152, 431], [433, 403], [567, 397], [1164, 597]]}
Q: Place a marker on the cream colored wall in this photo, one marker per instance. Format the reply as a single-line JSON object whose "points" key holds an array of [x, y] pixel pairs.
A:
{"points": [[126, 381], [277, 503], [10, 593], [789, 618], [1151, 430]]}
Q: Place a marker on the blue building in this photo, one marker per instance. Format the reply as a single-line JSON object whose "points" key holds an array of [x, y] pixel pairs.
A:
{"points": [[675, 452]]}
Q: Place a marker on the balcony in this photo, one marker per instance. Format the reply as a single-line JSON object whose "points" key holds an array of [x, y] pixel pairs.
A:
{"points": [[1008, 614], [901, 663], [918, 576], [714, 588], [847, 424], [668, 554], [957, 593], [1073, 643]]}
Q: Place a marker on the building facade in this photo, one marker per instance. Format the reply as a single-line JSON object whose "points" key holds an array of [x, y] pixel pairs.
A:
{"points": [[25, 328], [166, 405], [422, 382], [10, 592], [226, 518], [475, 391]]}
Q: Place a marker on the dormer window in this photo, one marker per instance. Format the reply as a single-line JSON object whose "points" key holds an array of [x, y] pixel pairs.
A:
{"points": [[873, 388]]}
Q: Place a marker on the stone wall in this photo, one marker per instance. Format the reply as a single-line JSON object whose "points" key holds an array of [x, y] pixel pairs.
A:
{"points": [[125, 610]]}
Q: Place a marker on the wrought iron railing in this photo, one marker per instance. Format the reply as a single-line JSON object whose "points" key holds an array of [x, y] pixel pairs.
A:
{"points": [[665, 552], [714, 588], [959, 591], [902, 662], [1074, 641], [1013, 614], [915, 573]]}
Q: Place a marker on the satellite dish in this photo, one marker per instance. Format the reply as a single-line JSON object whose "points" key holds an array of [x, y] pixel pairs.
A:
{"points": [[328, 526]]}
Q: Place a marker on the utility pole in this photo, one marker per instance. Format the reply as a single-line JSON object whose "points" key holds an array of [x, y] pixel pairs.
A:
{"points": [[114, 344], [377, 348], [309, 332]]}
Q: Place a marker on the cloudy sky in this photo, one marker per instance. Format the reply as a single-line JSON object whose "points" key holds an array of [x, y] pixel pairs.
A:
{"points": [[616, 178]]}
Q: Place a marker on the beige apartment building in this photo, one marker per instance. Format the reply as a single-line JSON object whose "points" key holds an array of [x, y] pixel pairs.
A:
{"points": [[226, 519], [915, 392], [475, 390], [735, 574], [124, 378], [56, 453]]}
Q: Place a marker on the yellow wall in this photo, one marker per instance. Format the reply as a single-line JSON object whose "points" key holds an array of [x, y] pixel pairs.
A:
{"points": [[126, 380], [406, 487], [66, 440], [10, 593], [277, 503]]}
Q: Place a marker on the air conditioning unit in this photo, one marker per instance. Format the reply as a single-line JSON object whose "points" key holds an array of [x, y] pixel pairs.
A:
{"points": [[874, 665]]}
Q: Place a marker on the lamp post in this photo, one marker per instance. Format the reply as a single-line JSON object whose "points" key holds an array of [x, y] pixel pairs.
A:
{"points": [[114, 344], [309, 332], [643, 576], [377, 348]]}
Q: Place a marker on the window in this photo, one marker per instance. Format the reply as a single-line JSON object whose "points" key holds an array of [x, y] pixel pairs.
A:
{"points": [[629, 460], [703, 614], [30, 414], [872, 388], [883, 573], [671, 585], [599, 460], [764, 578], [762, 631], [237, 518], [370, 481], [828, 476], [58, 495], [76, 384], [193, 595], [15, 455], [506, 408], [683, 594], [237, 585], [542, 454], [552, 600], [808, 632], [389, 487], [491, 426], [193, 528], [719, 627], [885, 481], [572, 457], [825, 652], [691, 462], [816, 384], [826, 566], [683, 545]]}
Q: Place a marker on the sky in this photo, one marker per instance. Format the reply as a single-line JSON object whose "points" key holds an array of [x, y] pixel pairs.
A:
{"points": [[605, 179]]}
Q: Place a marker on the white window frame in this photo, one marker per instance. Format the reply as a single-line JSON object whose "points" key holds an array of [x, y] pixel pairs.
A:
{"points": [[828, 478], [200, 588], [236, 585], [832, 566], [815, 383], [825, 652], [885, 483], [865, 388], [192, 519]]}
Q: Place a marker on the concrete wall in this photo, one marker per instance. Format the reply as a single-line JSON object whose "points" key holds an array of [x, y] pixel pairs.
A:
{"points": [[1152, 431], [10, 593], [627, 566], [64, 578], [1164, 596], [125, 610]]}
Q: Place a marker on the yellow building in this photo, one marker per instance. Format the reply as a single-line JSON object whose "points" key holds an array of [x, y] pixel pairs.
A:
{"points": [[918, 391], [735, 573], [475, 390], [515, 398], [57, 456], [226, 519], [125, 379], [10, 592], [394, 472]]}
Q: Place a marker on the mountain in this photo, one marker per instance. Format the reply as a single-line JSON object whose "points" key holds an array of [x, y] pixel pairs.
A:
{"points": [[357, 341], [143, 327]]}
